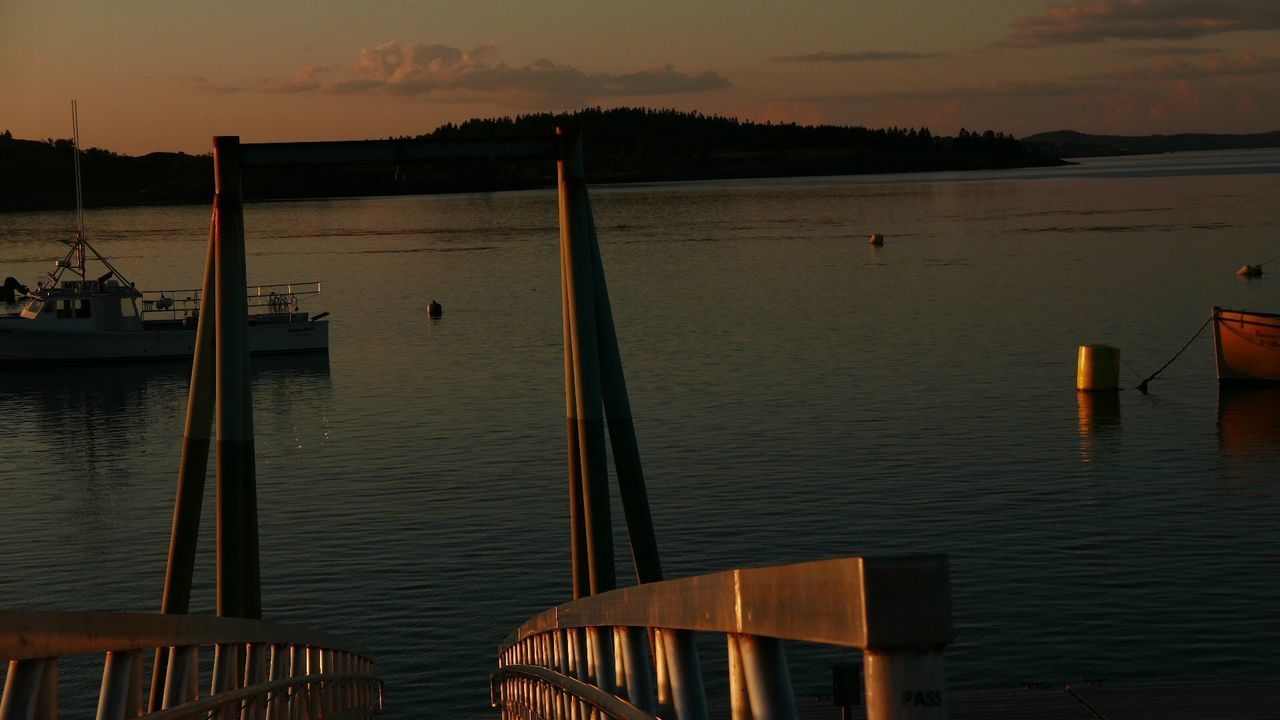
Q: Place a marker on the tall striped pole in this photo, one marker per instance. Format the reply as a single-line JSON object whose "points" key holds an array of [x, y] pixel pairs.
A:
{"points": [[575, 238], [577, 520], [232, 376]]}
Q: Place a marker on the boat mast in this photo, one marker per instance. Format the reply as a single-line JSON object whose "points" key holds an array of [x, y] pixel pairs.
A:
{"points": [[75, 140]]}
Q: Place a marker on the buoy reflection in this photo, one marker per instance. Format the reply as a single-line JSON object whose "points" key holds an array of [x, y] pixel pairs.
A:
{"points": [[1097, 414]]}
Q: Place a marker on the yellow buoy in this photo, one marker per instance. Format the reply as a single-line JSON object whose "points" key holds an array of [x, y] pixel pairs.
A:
{"points": [[1250, 271], [877, 239], [1098, 368]]}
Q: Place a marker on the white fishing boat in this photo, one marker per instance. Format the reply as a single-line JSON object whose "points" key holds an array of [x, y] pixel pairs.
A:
{"points": [[72, 316], [1247, 345]]}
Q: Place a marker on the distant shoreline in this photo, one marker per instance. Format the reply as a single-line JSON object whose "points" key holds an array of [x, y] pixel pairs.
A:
{"points": [[622, 145]]}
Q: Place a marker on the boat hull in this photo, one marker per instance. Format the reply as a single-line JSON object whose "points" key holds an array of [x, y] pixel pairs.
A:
{"points": [[1247, 346], [21, 344]]}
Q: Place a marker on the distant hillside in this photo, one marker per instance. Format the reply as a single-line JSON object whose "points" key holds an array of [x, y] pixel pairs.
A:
{"points": [[622, 145], [1069, 143]]}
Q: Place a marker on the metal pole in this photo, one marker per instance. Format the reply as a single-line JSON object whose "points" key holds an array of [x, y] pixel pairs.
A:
{"points": [[113, 695], [233, 442], [635, 650], [764, 665], [22, 689], [685, 675], [905, 684], [622, 428], [192, 468], [739, 699], [577, 522], [575, 237]]}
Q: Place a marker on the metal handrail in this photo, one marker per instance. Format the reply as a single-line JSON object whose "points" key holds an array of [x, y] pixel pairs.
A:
{"points": [[266, 657], [897, 610], [607, 703], [854, 602], [204, 705], [41, 634]]}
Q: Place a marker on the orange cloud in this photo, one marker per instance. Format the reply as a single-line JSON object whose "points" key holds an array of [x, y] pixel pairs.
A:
{"points": [[1090, 21], [448, 73]]}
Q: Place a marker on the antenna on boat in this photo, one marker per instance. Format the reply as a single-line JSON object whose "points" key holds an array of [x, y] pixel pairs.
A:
{"points": [[75, 142], [75, 258]]}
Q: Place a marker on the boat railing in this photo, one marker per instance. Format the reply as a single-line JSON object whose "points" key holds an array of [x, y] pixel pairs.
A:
{"points": [[260, 670], [601, 655], [278, 299]]}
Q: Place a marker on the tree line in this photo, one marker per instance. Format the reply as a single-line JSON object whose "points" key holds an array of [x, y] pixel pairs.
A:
{"points": [[620, 144]]}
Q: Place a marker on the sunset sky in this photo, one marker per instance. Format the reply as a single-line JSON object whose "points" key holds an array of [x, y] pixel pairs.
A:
{"points": [[166, 75]]}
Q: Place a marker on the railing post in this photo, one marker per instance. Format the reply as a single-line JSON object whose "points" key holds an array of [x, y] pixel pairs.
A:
{"points": [[180, 680], [905, 684], [274, 668], [21, 689], [764, 665], [662, 671], [739, 699], [634, 649], [118, 685], [226, 675], [687, 692]]}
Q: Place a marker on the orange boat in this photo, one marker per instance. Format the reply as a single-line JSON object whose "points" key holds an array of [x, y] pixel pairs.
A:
{"points": [[1247, 345]]}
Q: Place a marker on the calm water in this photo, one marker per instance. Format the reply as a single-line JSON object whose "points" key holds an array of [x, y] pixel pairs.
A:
{"points": [[797, 395]]}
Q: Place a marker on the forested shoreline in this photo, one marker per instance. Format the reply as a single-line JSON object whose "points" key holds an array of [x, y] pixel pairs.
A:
{"points": [[621, 145]]}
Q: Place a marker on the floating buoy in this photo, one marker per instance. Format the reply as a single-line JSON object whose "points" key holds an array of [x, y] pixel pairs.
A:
{"points": [[434, 309], [1249, 271], [877, 239], [1098, 368]]}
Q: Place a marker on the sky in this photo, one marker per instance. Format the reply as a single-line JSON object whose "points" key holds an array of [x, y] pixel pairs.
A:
{"points": [[167, 76]]}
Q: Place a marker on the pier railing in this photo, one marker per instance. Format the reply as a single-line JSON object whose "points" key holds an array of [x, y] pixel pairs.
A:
{"points": [[629, 653], [260, 671]]}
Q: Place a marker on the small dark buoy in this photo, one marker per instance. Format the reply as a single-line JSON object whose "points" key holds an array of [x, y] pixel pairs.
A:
{"points": [[434, 309], [877, 239], [1250, 271]]}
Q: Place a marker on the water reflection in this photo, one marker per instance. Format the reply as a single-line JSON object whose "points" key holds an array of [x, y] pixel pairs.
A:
{"points": [[1249, 422], [1097, 416], [93, 409]]}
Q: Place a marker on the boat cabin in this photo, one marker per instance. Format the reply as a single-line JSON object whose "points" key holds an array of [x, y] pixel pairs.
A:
{"points": [[80, 305]]}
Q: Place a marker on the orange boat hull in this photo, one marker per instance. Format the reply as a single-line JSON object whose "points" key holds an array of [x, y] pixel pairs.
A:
{"points": [[1247, 345]]}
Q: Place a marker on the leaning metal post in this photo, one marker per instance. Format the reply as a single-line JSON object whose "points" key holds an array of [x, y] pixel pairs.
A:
{"points": [[192, 468], [622, 429]]}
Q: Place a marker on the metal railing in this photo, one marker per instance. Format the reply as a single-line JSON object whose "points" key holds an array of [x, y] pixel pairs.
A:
{"points": [[629, 653], [281, 298], [261, 670]]}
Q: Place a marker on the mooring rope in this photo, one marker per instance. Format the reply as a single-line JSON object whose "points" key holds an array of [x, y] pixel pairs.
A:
{"points": [[1142, 386], [1268, 262]]}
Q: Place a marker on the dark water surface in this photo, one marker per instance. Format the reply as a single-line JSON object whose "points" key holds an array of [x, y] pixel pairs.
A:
{"points": [[797, 395]]}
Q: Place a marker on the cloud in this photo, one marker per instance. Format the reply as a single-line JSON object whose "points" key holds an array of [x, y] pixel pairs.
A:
{"points": [[1167, 75], [1214, 67], [853, 57], [1090, 21], [1168, 51], [972, 90], [447, 73]]}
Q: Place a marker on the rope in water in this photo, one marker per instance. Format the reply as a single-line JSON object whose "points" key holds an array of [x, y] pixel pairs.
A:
{"points": [[1268, 262], [1142, 386]]}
